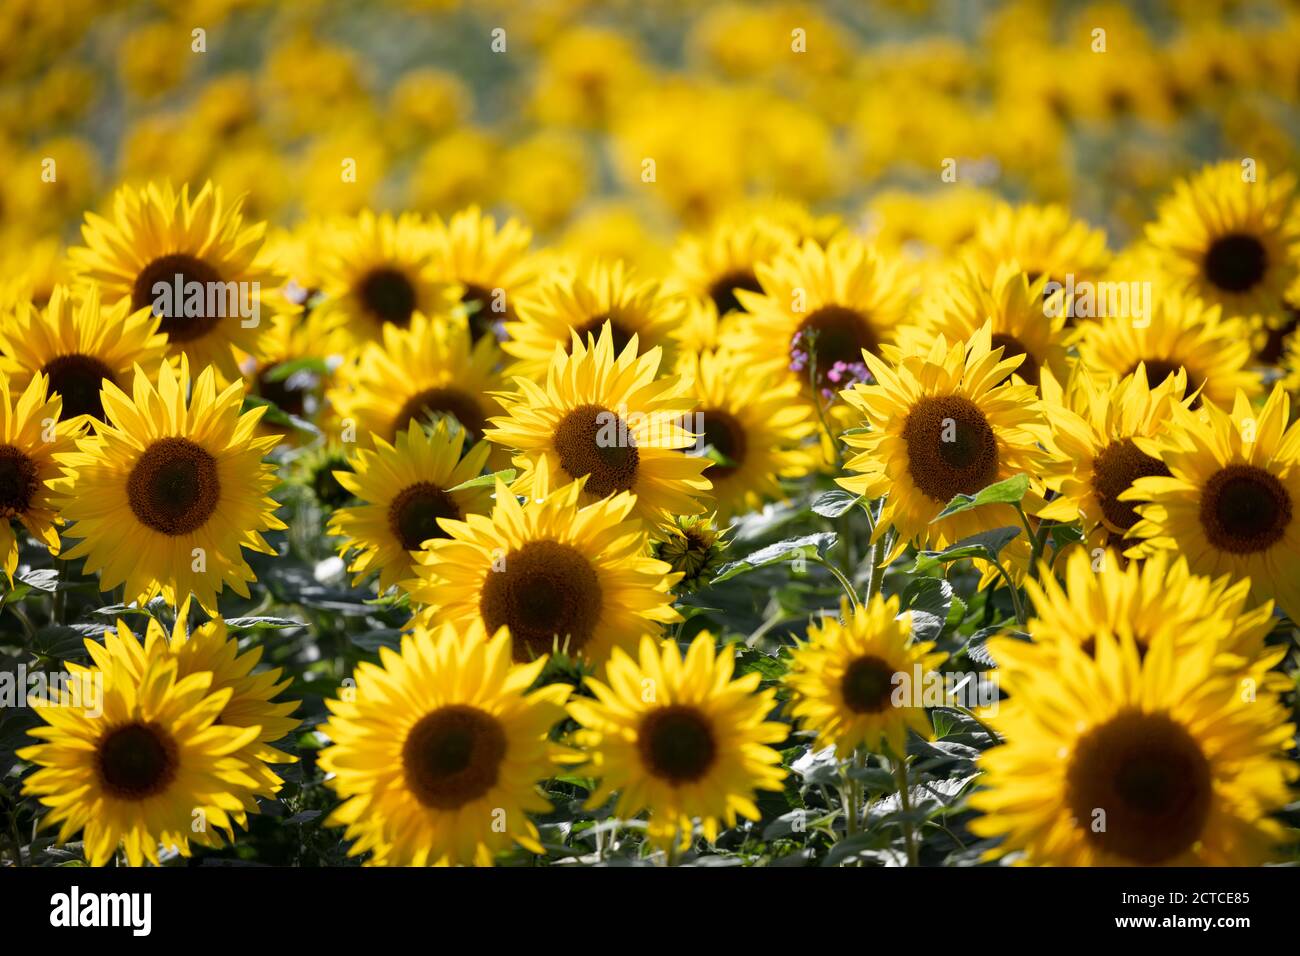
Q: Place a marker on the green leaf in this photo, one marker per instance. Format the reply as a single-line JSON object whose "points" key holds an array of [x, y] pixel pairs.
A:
{"points": [[1009, 492], [372, 641], [260, 623], [808, 546], [986, 545], [832, 504], [486, 481], [278, 373], [929, 600]]}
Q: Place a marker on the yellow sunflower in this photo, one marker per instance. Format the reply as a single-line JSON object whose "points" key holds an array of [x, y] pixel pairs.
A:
{"points": [[179, 477], [1182, 333], [680, 737], [1092, 454], [437, 752], [405, 489], [754, 424], [148, 769], [583, 301], [379, 271], [822, 305], [1114, 758], [209, 649], [418, 374], [1229, 240], [556, 573], [610, 418], [78, 345], [491, 264], [1230, 499], [1024, 318], [31, 435], [713, 264], [1044, 240], [843, 680], [158, 235], [943, 423]]}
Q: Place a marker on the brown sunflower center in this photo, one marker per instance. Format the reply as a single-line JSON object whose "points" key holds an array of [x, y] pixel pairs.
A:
{"points": [[19, 482], [388, 295], [723, 290], [1011, 347], [413, 515], [1244, 509], [867, 685], [289, 394], [443, 401], [174, 487], [1139, 787], [1113, 471], [835, 335], [727, 435], [453, 755], [1236, 262], [177, 324], [78, 379], [951, 448], [676, 743], [595, 442], [136, 761], [545, 590], [483, 320], [618, 332]]}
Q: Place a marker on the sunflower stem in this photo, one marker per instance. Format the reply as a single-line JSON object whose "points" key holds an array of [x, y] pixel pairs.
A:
{"points": [[853, 805], [1035, 544], [838, 460], [838, 575], [905, 804]]}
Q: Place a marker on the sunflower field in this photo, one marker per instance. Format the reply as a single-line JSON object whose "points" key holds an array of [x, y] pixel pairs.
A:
{"points": [[563, 433]]}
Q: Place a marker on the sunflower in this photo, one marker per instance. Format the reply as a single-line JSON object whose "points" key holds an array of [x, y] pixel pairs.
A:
{"points": [[1091, 446], [1115, 758], [609, 418], [694, 546], [27, 462], [379, 271], [1231, 242], [556, 573], [844, 679], [755, 426], [1230, 498], [405, 489], [209, 649], [679, 737], [1024, 318], [1181, 333], [152, 765], [420, 373], [491, 265], [158, 235], [180, 477], [822, 306], [78, 345], [1044, 240], [584, 301], [943, 423], [713, 264], [437, 752]]}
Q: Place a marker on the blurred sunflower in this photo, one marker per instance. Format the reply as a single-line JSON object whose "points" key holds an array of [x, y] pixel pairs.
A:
{"points": [[715, 263], [842, 680], [28, 446], [609, 418], [583, 301], [681, 738], [437, 754], [379, 271], [1182, 333], [1115, 759], [943, 423], [1092, 454], [1231, 241], [79, 346], [491, 265], [135, 776], [157, 235], [755, 426], [1044, 240], [1229, 501], [294, 368], [404, 490], [556, 573], [179, 474]]}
